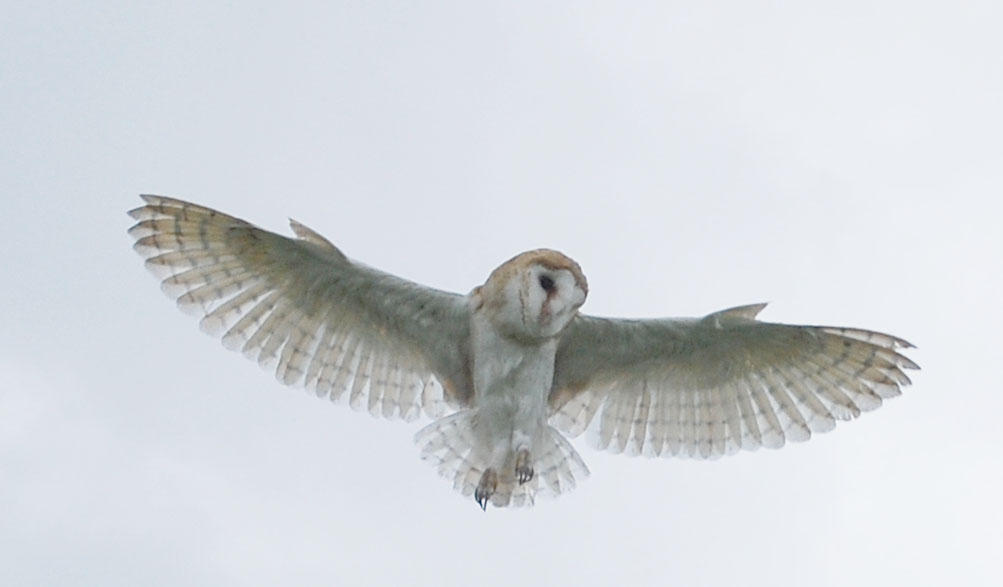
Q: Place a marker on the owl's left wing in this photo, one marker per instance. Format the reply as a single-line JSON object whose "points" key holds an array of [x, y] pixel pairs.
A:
{"points": [[300, 307], [707, 387]]}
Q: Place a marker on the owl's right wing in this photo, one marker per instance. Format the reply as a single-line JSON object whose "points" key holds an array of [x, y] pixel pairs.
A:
{"points": [[300, 306], [707, 387]]}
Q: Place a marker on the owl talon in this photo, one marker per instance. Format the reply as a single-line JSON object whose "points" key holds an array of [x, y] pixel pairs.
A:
{"points": [[486, 488], [523, 468]]}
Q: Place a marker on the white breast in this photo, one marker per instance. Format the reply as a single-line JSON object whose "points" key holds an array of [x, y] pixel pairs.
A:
{"points": [[511, 384]]}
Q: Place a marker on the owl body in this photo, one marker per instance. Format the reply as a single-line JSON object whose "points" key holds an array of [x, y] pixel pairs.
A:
{"points": [[515, 320], [511, 384], [509, 405], [507, 370]]}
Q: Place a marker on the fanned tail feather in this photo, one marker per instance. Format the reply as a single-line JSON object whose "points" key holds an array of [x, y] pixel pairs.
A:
{"points": [[451, 445]]}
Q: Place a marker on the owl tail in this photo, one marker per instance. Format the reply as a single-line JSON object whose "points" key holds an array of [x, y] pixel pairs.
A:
{"points": [[451, 444]]}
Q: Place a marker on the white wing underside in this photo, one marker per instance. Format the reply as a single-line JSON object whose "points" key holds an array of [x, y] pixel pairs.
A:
{"points": [[300, 307], [707, 388]]}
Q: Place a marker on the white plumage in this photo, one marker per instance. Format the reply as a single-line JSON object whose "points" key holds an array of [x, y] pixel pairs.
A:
{"points": [[513, 362]]}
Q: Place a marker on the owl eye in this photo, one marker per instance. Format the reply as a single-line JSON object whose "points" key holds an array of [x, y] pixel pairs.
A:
{"points": [[546, 283]]}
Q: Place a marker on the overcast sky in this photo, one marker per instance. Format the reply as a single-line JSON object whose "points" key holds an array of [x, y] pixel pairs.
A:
{"points": [[841, 160]]}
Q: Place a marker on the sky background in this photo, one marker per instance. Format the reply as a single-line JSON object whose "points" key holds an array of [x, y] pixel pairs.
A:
{"points": [[839, 160]]}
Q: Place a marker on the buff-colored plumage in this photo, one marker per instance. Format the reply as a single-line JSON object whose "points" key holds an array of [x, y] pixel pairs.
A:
{"points": [[513, 362]]}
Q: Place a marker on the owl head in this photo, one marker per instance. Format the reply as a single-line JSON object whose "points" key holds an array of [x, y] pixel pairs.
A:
{"points": [[533, 295]]}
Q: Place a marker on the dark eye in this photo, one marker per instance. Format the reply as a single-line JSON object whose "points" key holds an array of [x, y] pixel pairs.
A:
{"points": [[546, 283]]}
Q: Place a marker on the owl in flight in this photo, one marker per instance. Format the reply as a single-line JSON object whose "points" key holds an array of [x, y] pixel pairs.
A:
{"points": [[506, 371]]}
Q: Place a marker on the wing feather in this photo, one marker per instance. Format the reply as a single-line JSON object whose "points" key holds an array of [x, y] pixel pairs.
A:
{"points": [[708, 387], [750, 437], [299, 307]]}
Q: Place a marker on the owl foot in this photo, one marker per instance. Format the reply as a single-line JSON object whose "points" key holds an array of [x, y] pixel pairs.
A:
{"points": [[523, 466], [486, 488]]}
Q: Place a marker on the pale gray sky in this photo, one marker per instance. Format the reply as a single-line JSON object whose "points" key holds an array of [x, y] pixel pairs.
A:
{"points": [[840, 160]]}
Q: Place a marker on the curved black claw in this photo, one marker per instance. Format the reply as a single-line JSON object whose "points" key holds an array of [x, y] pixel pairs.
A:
{"points": [[523, 467], [482, 499], [486, 488]]}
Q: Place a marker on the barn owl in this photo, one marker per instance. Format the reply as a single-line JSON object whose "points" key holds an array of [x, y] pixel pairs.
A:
{"points": [[506, 371]]}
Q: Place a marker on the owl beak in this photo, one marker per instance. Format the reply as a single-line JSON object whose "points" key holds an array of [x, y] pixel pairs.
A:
{"points": [[545, 314]]}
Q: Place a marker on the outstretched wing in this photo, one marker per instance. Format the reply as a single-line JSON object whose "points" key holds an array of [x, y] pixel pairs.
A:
{"points": [[707, 387], [301, 307]]}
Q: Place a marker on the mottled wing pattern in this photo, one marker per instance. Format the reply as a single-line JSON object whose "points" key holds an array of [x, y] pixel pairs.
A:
{"points": [[708, 387], [300, 307]]}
